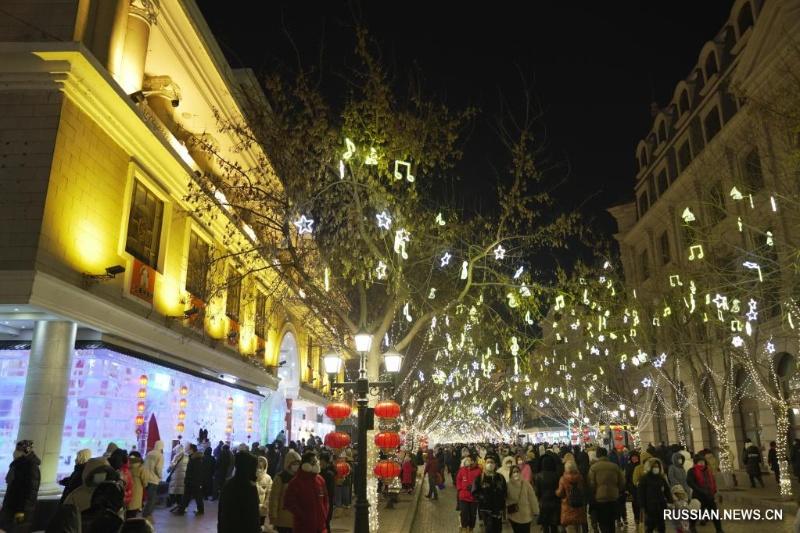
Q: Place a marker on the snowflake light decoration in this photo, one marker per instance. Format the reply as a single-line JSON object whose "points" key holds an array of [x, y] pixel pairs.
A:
{"points": [[646, 383], [737, 341]]}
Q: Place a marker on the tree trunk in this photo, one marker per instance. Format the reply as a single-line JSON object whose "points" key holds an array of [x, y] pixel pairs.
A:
{"points": [[780, 411]]}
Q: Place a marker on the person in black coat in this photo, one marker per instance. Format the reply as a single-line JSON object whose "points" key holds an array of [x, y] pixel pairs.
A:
{"points": [[22, 489], [545, 484], [630, 488], [328, 473], [209, 466], [752, 462], [222, 469], [490, 490], [654, 495], [193, 482], [272, 460], [238, 502], [772, 460]]}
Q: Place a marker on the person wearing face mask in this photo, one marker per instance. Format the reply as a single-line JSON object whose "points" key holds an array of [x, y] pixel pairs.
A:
{"points": [[654, 495], [279, 516], [96, 471], [467, 505], [521, 502], [238, 502], [525, 468], [307, 497], [489, 489], [630, 488], [704, 487], [153, 470], [22, 488]]}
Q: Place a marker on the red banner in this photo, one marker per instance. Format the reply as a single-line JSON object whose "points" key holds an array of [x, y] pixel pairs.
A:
{"points": [[143, 281]]}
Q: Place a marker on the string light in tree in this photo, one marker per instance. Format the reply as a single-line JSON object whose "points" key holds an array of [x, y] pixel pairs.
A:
{"points": [[439, 220], [464, 269], [401, 238], [519, 272], [372, 157], [398, 174], [350, 149]]}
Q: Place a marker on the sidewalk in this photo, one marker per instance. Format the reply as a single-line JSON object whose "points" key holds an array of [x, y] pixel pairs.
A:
{"points": [[758, 498], [397, 520]]}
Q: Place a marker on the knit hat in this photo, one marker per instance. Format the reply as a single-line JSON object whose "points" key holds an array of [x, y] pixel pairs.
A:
{"points": [[309, 457], [678, 489], [25, 446]]}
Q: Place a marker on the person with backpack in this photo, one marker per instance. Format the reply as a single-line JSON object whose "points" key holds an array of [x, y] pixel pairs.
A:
{"points": [[572, 492], [606, 482], [490, 491], [753, 463]]}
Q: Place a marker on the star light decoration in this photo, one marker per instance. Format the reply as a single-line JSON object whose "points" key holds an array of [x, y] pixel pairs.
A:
{"points": [[380, 270], [445, 260], [384, 220], [304, 225], [499, 252]]}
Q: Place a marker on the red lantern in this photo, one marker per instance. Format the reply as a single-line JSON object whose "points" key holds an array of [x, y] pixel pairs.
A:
{"points": [[387, 469], [387, 440], [337, 411], [139, 420], [337, 440], [143, 380], [342, 469], [140, 407], [387, 409]]}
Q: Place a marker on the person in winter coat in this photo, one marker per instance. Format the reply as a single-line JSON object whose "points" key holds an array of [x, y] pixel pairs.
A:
{"points": [[136, 466], [521, 502], [772, 460], [676, 475], [453, 465], [407, 472], [545, 484], [177, 476], [279, 516], [467, 505], [573, 516], [606, 482], [490, 490], [433, 473], [307, 497], [752, 457], [328, 473], [264, 486], [96, 471], [209, 465], [119, 462], [272, 460], [153, 469], [22, 489], [238, 502], [524, 469], [192, 482], [224, 469], [75, 479], [630, 488], [505, 468], [704, 487], [654, 495]]}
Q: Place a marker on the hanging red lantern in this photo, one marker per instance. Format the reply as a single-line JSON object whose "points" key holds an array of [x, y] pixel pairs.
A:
{"points": [[182, 403], [342, 469], [181, 415], [184, 390], [387, 469], [143, 380], [140, 407], [387, 409], [142, 393], [338, 411], [139, 420], [387, 440], [337, 440]]}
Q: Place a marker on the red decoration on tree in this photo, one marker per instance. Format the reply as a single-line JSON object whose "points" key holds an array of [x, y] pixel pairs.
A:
{"points": [[387, 440], [337, 411], [337, 440], [387, 409], [387, 469], [342, 469]]}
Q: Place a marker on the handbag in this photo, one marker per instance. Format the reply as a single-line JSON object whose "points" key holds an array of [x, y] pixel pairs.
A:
{"points": [[514, 507]]}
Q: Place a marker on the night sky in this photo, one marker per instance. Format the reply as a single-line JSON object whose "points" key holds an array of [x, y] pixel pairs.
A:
{"points": [[595, 68]]}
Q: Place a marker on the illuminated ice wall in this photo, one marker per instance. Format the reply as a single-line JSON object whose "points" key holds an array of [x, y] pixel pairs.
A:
{"points": [[102, 407]]}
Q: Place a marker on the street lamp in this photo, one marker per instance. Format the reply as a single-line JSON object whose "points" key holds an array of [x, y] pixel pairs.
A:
{"points": [[362, 387]]}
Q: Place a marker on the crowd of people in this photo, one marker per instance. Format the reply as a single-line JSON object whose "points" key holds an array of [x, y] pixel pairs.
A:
{"points": [[573, 488], [275, 488]]}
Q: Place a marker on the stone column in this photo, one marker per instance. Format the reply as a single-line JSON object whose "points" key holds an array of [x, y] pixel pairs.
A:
{"points": [[130, 74], [44, 404]]}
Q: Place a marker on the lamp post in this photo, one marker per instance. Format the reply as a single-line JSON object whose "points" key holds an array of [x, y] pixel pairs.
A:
{"points": [[393, 360]]}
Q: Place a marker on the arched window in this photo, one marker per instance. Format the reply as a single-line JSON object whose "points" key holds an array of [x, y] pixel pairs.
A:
{"points": [[745, 18], [662, 132], [643, 159], [711, 65], [683, 103]]}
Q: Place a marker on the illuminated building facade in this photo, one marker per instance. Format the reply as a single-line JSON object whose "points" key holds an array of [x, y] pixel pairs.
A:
{"points": [[106, 318], [716, 135]]}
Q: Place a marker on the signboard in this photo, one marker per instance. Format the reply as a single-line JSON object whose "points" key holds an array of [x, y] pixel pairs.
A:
{"points": [[143, 281]]}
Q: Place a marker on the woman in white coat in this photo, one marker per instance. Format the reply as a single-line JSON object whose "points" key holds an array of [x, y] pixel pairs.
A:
{"points": [[522, 500], [264, 486], [177, 476]]}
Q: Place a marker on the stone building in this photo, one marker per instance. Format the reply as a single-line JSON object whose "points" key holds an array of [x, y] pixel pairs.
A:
{"points": [[718, 132], [107, 330]]}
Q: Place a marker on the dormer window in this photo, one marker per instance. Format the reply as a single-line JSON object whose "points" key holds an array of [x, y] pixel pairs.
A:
{"points": [[745, 19], [711, 65], [683, 103], [662, 132]]}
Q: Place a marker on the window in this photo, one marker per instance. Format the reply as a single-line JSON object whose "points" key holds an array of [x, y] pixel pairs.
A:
{"points": [[696, 136], [144, 225], [753, 177], [261, 315], [683, 103], [711, 65], [662, 183], [712, 124], [663, 242], [234, 294], [684, 156], [197, 266], [644, 264], [642, 159], [745, 19], [644, 204], [662, 132]]}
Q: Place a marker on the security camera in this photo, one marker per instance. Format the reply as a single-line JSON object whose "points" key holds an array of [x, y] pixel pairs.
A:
{"points": [[175, 102]]}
